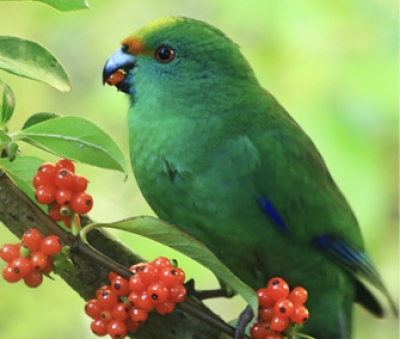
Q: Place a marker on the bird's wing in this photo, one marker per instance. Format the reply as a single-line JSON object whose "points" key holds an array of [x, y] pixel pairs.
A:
{"points": [[299, 195]]}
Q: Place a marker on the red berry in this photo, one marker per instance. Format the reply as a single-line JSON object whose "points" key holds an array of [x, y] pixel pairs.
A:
{"points": [[158, 293], [80, 184], [274, 335], [45, 194], [99, 327], [136, 284], [120, 286], [33, 279], [32, 239], [51, 245], [165, 308], [133, 299], [54, 213], [132, 326], [148, 274], [279, 323], [65, 164], [9, 252], [45, 175], [161, 262], [93, 309], [82, 203], [177, 294], [283, 307], [106, 315], [145, 302], [278, 289], [107, 299], [264, 299], [68, 221], [101, 289], [10, 275], [298, 295], [259, 330], [266, 313], [299, 314], [135, 269], [49, 268], [117, 329], [64, 196], [138, 315], [21, 266], [112, 276], [37, 181], [171, 276], [39, 260], [64, 178], [120, 311]]}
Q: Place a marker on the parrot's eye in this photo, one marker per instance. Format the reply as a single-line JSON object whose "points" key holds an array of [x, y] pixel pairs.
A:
{"points": [[165, 54]]}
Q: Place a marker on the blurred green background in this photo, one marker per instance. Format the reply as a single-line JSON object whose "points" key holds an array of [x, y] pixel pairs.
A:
{"points": [[332, 64]]}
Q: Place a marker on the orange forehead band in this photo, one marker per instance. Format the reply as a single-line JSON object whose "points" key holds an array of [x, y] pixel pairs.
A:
{"points": [[135, 46]]}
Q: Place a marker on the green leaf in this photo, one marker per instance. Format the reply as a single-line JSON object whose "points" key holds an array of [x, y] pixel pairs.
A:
{"points": [[4, 140], [62, 5], [12, 150], [7, 104], [21, 171], [171, 236], [39, 117], [76, 139], [8, 148], [30, 60]]}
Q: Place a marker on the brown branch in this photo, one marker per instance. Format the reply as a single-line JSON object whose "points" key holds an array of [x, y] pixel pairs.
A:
{"points": [[18, 213]]}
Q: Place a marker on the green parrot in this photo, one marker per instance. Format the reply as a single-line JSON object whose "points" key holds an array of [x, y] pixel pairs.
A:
{"points": [[216, 155]]}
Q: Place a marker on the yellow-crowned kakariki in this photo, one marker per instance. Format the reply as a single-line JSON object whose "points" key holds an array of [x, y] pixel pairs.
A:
{"points": [[216, 155]]}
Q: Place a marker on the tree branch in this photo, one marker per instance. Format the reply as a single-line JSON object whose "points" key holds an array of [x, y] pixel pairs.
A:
{"points": [[18, 213]]}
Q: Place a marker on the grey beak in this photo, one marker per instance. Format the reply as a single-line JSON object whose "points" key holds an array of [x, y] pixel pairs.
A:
{"points": [[120, 60]]}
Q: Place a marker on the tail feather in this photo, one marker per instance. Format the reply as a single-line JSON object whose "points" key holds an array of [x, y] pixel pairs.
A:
{"points": [[365, 298], [360, 266]]}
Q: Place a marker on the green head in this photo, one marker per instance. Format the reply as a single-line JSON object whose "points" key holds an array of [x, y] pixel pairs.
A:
{"points": [[180, 57]]}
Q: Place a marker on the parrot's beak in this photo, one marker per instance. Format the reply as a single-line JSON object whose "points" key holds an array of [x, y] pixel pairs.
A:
{"points": [[120, 61]]}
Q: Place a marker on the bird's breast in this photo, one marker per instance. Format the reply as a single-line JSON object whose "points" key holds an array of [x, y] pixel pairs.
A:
{"points": [[194, 174]]}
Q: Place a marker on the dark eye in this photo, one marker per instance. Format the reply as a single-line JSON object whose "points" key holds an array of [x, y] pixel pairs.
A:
{"points": [[165, 54]]}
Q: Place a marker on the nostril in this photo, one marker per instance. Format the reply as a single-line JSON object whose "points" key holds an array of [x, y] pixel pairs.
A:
{"points": [[125, 48]]}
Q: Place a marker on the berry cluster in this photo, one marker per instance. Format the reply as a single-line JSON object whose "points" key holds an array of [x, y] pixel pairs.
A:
{"points": [[124, 305], [30, 259], [278, 308], [64, 191]]}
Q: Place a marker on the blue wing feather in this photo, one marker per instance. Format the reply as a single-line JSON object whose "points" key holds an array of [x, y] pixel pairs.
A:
{"points": [[269, 209], [356, 263]]}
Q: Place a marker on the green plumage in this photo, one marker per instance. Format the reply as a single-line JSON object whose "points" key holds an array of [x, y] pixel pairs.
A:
{"points": [[209, 145]]}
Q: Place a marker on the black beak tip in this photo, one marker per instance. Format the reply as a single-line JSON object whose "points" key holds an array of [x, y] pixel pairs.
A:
{"points": [[120, 60], [109, 69], [106, 75]]}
